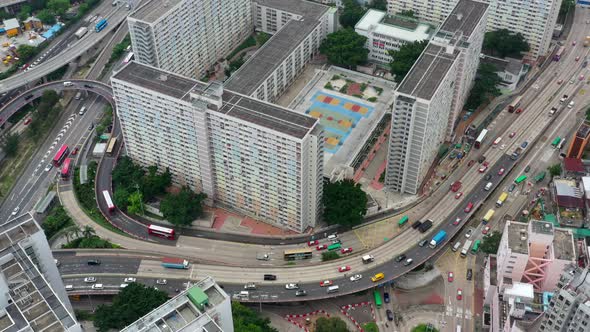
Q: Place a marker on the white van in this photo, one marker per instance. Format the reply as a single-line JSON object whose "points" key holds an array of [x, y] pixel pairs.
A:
{"points": [[82, 110], [368, 259], [68, 83], [571, 104], [333, 236], [456, 246], [78, 95], [488, 186], [333, 289], [244, 294], [69, 287], [97, 286]]}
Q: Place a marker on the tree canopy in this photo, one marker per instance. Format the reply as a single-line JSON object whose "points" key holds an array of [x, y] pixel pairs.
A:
{"points": [[57, 220], [407, 13], [484, 86], [379, 5], [555, 170], [247, 320], [332, 324], [351, 14], [26, 52], [566, 6], [491, 243], [405, 57], [182, 208], [345, 48], [132, 302], [59, 7], [10, 144], [46, 16], [345, 203], [505, 43]]}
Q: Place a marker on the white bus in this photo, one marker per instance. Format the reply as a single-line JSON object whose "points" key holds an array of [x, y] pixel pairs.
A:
{"points": [[480, 138], [128, 58], [466, 248]]}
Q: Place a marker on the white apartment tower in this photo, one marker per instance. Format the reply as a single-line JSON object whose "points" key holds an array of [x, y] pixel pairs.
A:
{"points": [[426, 102], [188, 36], [534, 20], [260, 159], [33, 295]]}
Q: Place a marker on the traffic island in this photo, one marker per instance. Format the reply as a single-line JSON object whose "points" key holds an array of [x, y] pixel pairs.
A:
{"points": [[306, 321], [359, 313]]}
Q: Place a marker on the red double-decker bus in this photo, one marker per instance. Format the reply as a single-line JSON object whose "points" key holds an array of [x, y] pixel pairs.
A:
{"points": [[65, 170], [161, 231], [108, 200], [61, 155]]}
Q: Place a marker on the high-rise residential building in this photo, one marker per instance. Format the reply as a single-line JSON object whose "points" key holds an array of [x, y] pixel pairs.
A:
{"points": [[569, 309], [389, 32], [258, 158], [298, 28], [187, 37], [534, 20], [33, 295], [427, 101], [202, 307]]}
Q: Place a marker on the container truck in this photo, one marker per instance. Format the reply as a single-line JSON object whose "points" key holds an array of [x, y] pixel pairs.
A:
{"points": [[488, 216], [456, 186], [501, 199], [81, 32], [466, 248], [425, 226], [175, 263], [437, 239]]}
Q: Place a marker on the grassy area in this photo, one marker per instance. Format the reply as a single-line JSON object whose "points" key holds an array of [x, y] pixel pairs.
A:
{"points": [[11, 168]]}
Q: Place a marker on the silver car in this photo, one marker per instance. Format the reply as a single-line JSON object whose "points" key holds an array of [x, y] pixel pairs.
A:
{"points": [[356, 277]]}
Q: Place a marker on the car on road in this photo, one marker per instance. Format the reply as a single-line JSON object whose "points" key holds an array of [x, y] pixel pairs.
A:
{"points": [[377, 277], [450, 276], [250, 286], [356, 277], [469, 232], [291, 286], [130, 279], [511, 188], [344, 268], [581, 78], [400, 258], [457, 222], [346, 250], [93, 262], [574, 43], [502, 147], [577, 58], [91, 127], [321, 247], [123, 285], [524, 144], [483, 168], [326, 283], [470, 163], [501, 171], [488, 177], [481, 159], [27, 121], [527, 168], [422, 243], [300, 292], [458, 195], [75, 151], [313, 243], [559, 81], [90, 279], [389, 314], [468, 207], [408, 261], [15, 211], [469, 274], [48, 167], [485, 230], [386, 297], [161, 281], [459, 294], [512, 134]]}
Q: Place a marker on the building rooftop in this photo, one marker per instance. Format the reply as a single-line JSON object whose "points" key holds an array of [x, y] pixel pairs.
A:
{"points": [[567, 188], [541, 227], [245, 108], [520, 290], [153, 10], [464, 18], [11, 23], [518, 238], [187, 311], [32, 302], [563, 245], [428, 72], [400, 27], [262, 63]]}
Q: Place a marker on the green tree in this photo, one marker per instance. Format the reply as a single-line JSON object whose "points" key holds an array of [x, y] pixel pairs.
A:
{"points": [[121, 198], [345, 203], [505, 43], [329, 256], [26, 52], [25, 12], [405, 57], [485, 85], [127, 175], [46, 16], [10, 144], [566, 6], [38, 4], [491, 243], [132, 302], [135, 203], [407, 13], [154, 184], [555, 170], [345, 48], [247, 320], [332, 324], [181, 209], [351, 14], [379, 5], [88, 231], [57, 220], [424, 328], [371, 327], [59, 7]]}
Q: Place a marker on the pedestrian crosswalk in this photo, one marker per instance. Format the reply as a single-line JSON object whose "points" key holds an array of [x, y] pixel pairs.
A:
{"points": [[458, 312]]}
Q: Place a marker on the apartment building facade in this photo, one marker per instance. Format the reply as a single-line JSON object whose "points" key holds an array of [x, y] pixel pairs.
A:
{"points": [[534, 20], [389, 32], [188, 37], [298, 28], [426, 100], [245, 154], [33, 295]]}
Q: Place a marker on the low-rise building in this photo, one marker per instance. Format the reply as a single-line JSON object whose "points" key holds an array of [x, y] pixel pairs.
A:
{"points": [[11, 27], [389, 32], [510, 71]]}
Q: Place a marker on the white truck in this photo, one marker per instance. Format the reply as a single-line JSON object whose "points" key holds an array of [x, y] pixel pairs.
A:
{"points": [[465, 249], [81, 32], [368, 259]]}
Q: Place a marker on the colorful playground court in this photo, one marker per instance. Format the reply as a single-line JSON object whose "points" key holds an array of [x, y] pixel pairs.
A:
{"points": [[338, 115]]}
